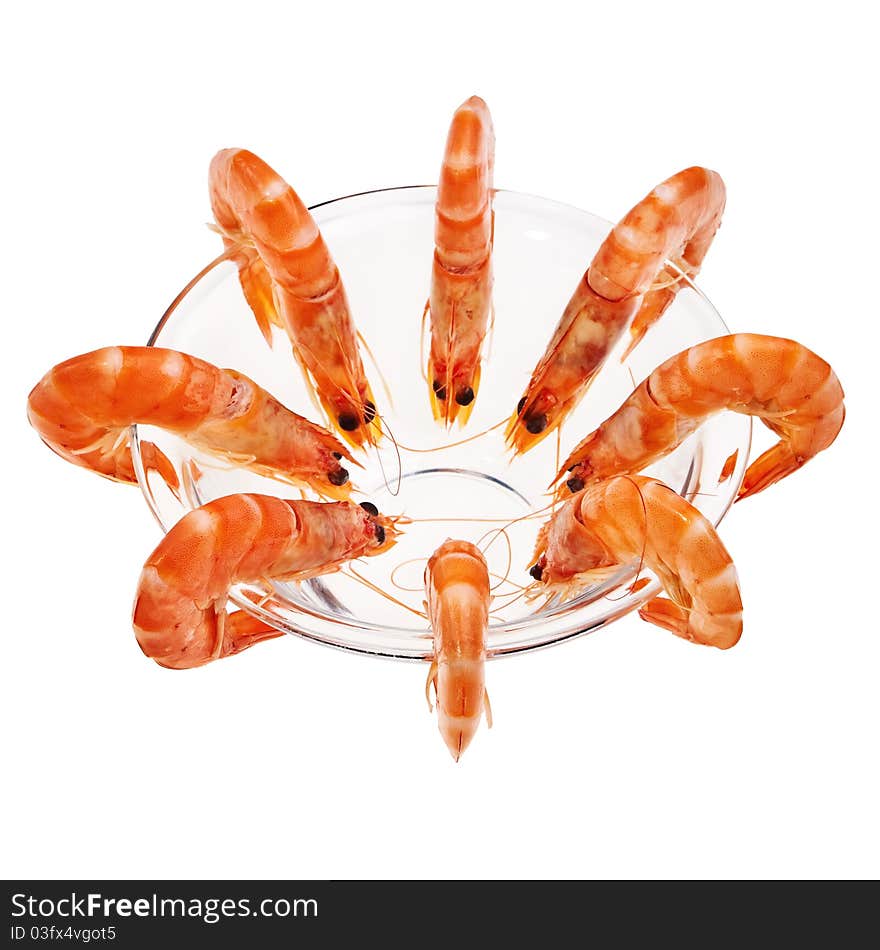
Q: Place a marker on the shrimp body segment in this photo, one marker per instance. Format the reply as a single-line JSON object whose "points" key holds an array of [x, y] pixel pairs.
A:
{"points": [[676, 221], [794, 392], [180, 617], [295, 284], [457, 586], [632, 519], [461, 287], [83, 408]]}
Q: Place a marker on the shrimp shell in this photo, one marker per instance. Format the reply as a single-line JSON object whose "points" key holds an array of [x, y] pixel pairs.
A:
{"points": [[794, 392], [631, 519], [179, 615], [257, 211], [677, 220], [83, 408], [457, 586], [461, 288]]}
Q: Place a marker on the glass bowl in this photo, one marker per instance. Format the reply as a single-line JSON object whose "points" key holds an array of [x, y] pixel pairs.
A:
{"points": [[383, 244]]}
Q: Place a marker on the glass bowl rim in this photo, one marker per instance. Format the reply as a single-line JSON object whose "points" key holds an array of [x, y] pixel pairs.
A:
{"points": [[625, 605]]}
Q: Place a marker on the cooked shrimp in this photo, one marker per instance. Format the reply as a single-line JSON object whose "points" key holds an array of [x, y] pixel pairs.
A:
{"points": [[461, 286], [256, 209], [83, 409], [457, 585], [677, 221], [630, 519], [180, 614], [790, 389]]}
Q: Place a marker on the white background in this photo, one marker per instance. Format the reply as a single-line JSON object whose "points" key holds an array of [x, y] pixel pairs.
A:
{"points": [[629, 753]]}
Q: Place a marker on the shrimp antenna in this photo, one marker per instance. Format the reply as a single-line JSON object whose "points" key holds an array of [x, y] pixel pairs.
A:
{"points": [[452, 445], [489, 342], [513, 600], [676, 270], [507, 522], [384, 427], [378, 368], [403, 587], [496, 533], [228, 254], [382, 593]]}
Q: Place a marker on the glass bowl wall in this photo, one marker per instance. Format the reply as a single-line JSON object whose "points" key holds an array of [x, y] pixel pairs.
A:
{"points": [[383, 244]]}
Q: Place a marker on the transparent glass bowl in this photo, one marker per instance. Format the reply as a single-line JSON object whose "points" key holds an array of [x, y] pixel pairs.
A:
{"points": [[383, 244]]}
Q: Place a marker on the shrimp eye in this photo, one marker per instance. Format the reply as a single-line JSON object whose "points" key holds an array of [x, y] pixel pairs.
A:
{"points": [[380, 533], [536, 571], [464, 397], [536, 424], [369, 411], [339, 477], [337, 455], [439, 390], [575, 484], [369, 508], [348, 422], [521, 405]]}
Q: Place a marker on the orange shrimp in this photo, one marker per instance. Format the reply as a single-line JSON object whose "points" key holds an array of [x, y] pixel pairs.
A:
{"points": [[790, 389], [83, 409], [179, 615], [295, 284], [457, 585], [677, 221], [632, 519], [461, 286]]}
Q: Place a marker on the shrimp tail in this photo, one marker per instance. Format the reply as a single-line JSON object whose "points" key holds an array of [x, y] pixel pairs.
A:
{"points": [[155, 460], [688, 625], [242, 631], [257, 288], [667, 614], [234, 633], [775, 464], [654, 304]]}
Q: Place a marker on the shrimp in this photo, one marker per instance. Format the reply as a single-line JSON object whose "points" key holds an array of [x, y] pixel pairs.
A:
{"points": [[179, 615], [295, 284], [457, 585], [632, 519], [461, 285], [83, 409], [677, 220], [789, 388]]}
